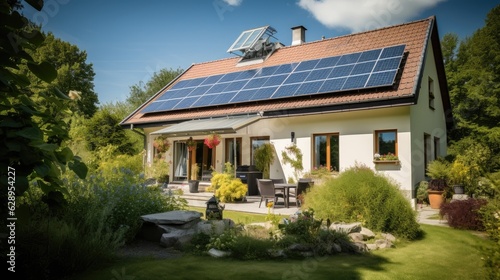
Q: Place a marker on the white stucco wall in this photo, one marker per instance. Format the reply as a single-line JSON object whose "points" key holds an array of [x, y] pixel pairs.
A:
{"points": [[425, 120], [356, 130]]}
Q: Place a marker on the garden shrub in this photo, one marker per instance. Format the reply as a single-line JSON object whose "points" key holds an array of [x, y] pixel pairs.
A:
{"points": [[463, 214], [490, 217], [100, 215], [227, 188], [360, 195]]}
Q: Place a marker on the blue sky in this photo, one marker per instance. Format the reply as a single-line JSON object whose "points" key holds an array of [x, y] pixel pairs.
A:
{"points": [[127, 41]]}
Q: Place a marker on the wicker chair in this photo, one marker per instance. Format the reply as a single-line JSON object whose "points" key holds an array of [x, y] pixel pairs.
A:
{"points": [[267, 191]]}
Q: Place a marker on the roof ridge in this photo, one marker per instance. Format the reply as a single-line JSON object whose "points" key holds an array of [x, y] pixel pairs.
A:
{"points": [[361, 32]]}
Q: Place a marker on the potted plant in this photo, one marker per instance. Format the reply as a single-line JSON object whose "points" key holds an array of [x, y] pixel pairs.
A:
{"points": [[159, 171], [264, 157], [458, 176], [161, 143], [212, 140], [438, 171], [193, 182], [191, 144]]}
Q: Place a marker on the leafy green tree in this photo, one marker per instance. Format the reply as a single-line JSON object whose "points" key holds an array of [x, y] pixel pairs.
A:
{"points": [[474, 79], [73, 72], [103, 129], [141, 92], [33, 125]]}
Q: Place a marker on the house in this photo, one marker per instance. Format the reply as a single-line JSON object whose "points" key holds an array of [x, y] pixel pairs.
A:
{"points": [[343, 101]]}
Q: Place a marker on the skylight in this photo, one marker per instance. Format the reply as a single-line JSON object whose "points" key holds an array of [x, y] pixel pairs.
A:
{"points": [[250, 38]]}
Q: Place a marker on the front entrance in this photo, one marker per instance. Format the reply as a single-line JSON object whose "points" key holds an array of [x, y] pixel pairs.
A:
{"points": [[184, 159]]}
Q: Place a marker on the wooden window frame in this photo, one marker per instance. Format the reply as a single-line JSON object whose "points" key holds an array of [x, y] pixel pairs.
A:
{"points": [[377, 146], [328, 147]]}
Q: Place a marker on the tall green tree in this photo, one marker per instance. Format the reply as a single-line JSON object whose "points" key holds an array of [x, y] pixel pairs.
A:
{"points": [[73, 72], [474, 83], [33, 125], [140, 93], [103, 129]]}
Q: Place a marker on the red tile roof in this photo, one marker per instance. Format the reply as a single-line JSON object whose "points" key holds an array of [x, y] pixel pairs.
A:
{"points": [[415, 35]]}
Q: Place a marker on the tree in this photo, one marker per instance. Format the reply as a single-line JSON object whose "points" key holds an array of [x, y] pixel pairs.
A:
{"points": [[103, 130], [140, 93], [33, 125], [73, 72], [474, 79]]}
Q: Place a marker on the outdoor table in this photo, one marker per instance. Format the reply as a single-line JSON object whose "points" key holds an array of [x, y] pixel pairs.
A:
{"points": [[286, 188]]}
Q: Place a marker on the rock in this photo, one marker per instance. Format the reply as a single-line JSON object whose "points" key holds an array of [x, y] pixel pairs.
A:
{"points": [[367, 233], [337, 248], [177, 238], [276, 253], [300, 247], [389, 237], [177, 217], [372, 246], [218, 253], [356, 236], [383, 243], [214, 227], [359, 247], [346, 228]]}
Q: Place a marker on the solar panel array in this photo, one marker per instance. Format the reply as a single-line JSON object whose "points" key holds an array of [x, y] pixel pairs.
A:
{"points": [[368, 69]]}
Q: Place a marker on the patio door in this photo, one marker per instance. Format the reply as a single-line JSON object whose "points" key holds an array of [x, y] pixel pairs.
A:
{"points": [[203, 156]]}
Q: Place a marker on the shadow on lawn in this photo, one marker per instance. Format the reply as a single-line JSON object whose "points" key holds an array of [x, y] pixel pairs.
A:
{"points": [[334, 267]]}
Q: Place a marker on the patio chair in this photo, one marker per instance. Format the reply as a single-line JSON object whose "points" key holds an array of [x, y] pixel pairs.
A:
{"points": [[267, 191], [302, 186], [278, 181]]}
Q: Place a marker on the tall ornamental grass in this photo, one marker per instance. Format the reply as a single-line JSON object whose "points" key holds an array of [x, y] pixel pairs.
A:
{"points": [[361, 195], [101, 214]]}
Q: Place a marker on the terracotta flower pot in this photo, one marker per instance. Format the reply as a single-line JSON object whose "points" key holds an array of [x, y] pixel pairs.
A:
{"points": [[436, 199]]}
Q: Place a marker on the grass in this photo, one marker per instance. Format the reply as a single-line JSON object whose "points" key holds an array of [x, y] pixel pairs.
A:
{"points": [[443, 253], [236, 216]]}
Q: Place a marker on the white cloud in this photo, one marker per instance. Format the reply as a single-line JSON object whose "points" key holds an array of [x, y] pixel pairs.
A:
{"points": [[233, 2], [360, 15]]}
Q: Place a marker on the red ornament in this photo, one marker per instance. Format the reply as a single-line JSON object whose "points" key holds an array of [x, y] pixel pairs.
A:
{"points": [[212, 140]]}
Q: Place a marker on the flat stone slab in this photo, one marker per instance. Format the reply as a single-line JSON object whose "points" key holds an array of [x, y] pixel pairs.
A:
{"points": [[178, 217]]}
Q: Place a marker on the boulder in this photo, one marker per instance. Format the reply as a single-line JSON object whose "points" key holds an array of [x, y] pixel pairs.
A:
{"points": [[356, 236], [359, 247], [177, 238], [367, 233], [218, 253], [211, 227], [178, 217], [372, 246], [383, 243], [346, 228], [388, 236]]}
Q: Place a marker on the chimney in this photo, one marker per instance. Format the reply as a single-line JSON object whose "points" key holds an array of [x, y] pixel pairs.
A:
{"points": [[298, 35]]}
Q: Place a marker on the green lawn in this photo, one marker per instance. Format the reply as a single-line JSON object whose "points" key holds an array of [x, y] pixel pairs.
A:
{"points": [[237, 217], [443, 253]]}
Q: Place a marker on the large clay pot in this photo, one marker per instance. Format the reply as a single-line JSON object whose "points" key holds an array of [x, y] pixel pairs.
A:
{"points": [[436, 199]]}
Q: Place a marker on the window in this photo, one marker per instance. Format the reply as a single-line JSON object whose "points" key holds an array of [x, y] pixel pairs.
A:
{"points": [[431, 93], [427, 150], [436, 147], [326, 151], [386, 143], [256, 143], [233, 153]]}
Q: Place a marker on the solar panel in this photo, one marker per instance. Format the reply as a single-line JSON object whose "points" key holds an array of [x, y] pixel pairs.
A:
{"points": [[296, 77], [223, 98], [355, 82], [382, 79], [247, 39], [309, 88], [371, 68], [307, 65], [263, 93]]}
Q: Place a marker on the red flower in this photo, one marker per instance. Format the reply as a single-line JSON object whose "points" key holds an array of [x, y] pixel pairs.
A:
{"points": [[212, 140]]}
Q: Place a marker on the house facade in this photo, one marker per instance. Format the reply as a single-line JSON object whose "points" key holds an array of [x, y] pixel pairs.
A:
{"points": [[377, 98]]}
